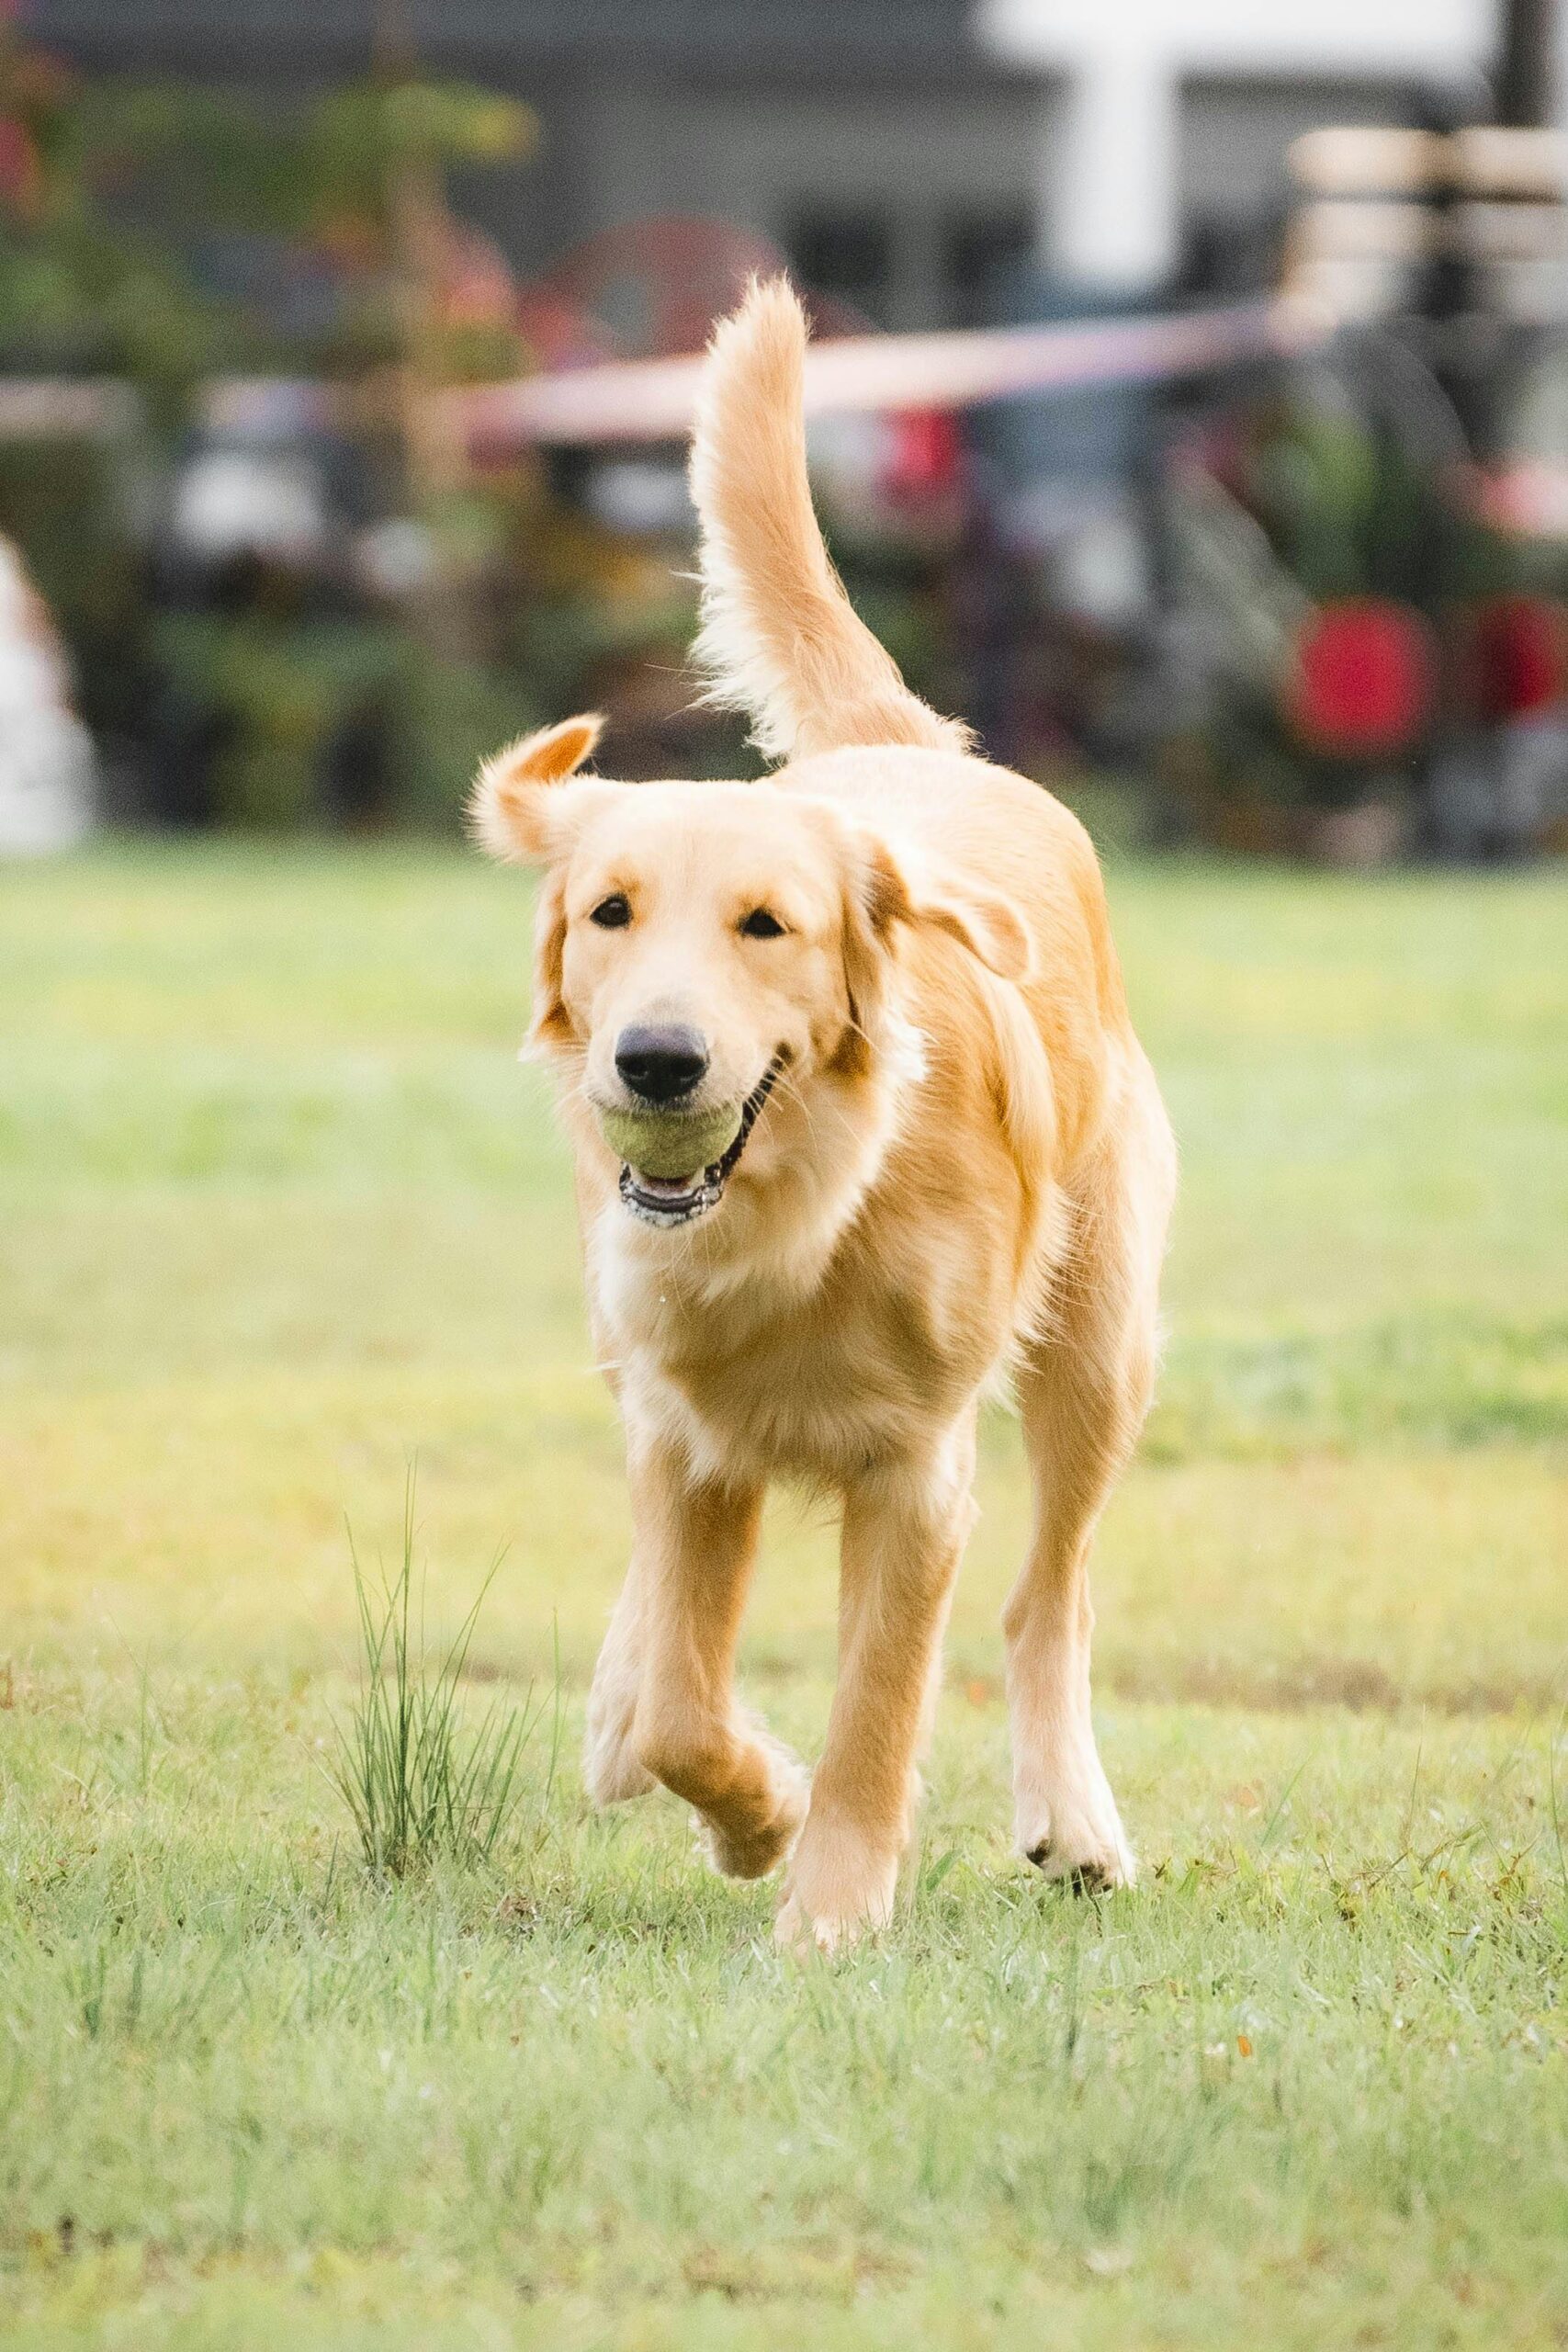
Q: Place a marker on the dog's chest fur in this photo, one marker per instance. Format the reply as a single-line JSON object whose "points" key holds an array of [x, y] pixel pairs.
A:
{"points": [[820, 1381]]}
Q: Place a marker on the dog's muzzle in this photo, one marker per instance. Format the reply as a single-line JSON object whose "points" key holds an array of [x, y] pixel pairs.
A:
{"points": [[671, 1201]]}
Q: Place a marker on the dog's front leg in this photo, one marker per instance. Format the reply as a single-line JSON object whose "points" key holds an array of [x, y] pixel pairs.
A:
{"points": [[695, 1547], [905, 1529], [610, 1763]]}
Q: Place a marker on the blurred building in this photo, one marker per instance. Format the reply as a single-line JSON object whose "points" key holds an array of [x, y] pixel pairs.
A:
{"points": [[876, 142], [1164, 122], [907, 155]]}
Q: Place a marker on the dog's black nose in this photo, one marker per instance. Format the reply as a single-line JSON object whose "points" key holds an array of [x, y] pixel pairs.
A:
{"points": [[660, 1063]]}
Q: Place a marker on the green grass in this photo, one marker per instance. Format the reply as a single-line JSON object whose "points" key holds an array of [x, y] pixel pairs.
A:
{"points": [[278, 1212], [420, 1782]]}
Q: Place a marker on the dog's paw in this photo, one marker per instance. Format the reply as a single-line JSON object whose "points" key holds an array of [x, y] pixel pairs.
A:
{"points": [[754, 1849], [837, 1891], [1095, 1874], [802, 1937], [1078, 1839]]}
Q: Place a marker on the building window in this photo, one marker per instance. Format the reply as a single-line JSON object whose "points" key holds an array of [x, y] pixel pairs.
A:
{"points": [[985, 257], [846, 257]]}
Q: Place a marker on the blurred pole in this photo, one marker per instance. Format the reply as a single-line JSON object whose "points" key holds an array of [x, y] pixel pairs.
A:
{"points": [[1477, 356], [1525, 71], [1108, 208], [432, 458]]}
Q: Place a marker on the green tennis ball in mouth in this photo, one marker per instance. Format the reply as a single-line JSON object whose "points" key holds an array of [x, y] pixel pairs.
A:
{"points": [[671, 1143]]}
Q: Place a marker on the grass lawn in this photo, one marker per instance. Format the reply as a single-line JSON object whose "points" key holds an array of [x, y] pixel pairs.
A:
{"points": [[278, 1212]]}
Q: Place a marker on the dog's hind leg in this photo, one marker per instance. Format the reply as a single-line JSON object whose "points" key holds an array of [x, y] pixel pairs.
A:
{"points": [[1083, 1392], [697, 1547]]}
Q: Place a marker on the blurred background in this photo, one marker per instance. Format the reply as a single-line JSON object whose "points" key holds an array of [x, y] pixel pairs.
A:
{"points": [[1192, 411]]}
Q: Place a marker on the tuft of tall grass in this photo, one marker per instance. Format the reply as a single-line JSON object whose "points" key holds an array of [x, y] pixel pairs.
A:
{"points": [[419, 1781]]}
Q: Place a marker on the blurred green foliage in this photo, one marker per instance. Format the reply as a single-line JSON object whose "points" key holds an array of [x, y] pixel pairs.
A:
{"points": [[144, 233]]}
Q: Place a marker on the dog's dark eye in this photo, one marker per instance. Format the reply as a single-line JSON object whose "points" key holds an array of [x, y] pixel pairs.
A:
{"points": [[613, 913], [761, 925]]}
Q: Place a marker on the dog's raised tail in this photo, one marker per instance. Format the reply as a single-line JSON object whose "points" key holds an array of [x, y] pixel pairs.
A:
{"points": [[778, 640]]}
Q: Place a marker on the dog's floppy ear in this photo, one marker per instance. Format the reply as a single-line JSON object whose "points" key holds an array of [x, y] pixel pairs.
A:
{"points": [[513, 809], [896, 890], [550, 1026]]}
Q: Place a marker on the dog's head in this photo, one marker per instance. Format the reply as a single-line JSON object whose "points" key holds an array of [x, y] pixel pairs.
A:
{"points": [[699, 945]]}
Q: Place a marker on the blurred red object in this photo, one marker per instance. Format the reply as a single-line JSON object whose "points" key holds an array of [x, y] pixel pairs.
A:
{"points": [[654, 287], [1361, 682], [559, 334], [21, 175], [927, 455], [1521, 653]]}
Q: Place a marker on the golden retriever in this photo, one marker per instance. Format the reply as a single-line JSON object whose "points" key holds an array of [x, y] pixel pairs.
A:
{"points": [[886, 972]]}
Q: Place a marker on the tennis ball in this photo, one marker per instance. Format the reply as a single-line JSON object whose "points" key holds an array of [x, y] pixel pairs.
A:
{"points": [[671, 1143]]}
